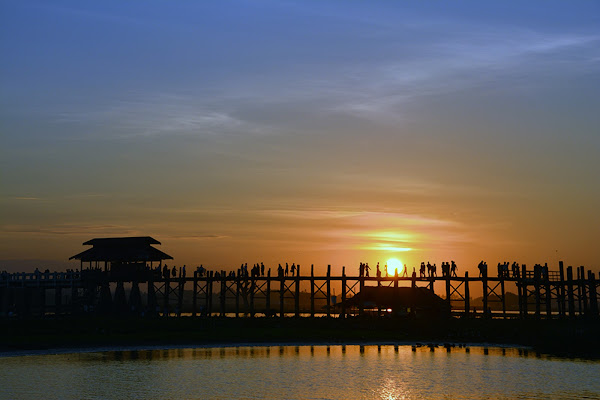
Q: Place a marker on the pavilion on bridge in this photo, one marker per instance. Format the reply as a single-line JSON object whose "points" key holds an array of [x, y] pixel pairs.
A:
{"points": [[123, 257]]}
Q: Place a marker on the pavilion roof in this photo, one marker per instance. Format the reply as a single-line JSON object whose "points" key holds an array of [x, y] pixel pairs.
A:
{"points": [[405, 296], [123, 249]]}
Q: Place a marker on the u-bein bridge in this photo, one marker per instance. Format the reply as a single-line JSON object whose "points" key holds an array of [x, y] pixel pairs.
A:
{"points": [[540, 295], [115, 270]]}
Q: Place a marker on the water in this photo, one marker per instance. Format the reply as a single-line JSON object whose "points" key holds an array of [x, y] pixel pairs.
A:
{"points": [[300, 372]]}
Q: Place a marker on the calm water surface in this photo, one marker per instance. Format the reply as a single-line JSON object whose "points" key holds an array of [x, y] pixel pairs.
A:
{"points": [[300, 372]]}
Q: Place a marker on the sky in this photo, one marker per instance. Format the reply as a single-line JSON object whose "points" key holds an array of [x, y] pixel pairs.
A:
{"points": [[315, 132]]}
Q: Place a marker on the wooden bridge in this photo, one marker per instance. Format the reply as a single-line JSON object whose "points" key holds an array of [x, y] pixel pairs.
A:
{"points": [[541, 293]]}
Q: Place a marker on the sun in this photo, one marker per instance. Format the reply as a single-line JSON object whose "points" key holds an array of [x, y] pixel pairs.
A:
{"points": [[392, 264]]}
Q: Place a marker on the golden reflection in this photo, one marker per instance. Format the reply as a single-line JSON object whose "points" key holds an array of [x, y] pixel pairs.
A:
{"points": [[393, 389]]}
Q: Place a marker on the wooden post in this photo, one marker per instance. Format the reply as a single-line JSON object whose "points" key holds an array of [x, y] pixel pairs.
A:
{"points": [[166, 297], [151, 302], [503, 293], [413, 293], [135, 298], [361, 294], [328, 291], [195, 294], [525, 293], [312, 291], [268, 299], [396, 290], [519, 283], [570, 295], [548, 294], [252, 291], [536, 284], [593, 294], [579, 294], [485, 293], [120, 301], [467, 295], [448, 290], [237, 281], [297, 293], [281, 295], [561, 291], [209, 292], [181, 291], [343, 314], [223, 293], [583, 286]]}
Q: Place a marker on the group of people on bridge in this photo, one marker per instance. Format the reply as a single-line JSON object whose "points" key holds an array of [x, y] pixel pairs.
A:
{"points": [[448, 269]]}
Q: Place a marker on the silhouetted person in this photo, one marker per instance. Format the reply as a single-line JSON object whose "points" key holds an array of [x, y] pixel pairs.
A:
{"points": [[165, 271], [367, 269], [378, 271], [262, 269], [293, 269], [422, 270], [183, 271], [405, 272], [515, 270], [280, 271], [361, 269], [453, 268], [482, 268]]}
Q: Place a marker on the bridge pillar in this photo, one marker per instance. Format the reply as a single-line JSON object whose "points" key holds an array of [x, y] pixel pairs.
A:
{"points": [[151, 300], [343, 305], [570, 295], [593, 294], [467, 295], [120, 300], [561, 291], [135, 298], [582, 289]]}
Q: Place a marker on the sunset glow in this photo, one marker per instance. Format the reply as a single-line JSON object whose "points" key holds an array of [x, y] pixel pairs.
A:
{"points": [[393, 264], [309, 132]]}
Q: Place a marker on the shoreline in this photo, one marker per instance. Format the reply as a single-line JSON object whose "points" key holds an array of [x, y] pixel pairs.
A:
{"points": [[563, 338]]}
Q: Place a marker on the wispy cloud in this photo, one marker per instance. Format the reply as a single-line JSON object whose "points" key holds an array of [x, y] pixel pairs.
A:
{"points": [[382, 89], [72, 229], [152, 114], [25, 198]]}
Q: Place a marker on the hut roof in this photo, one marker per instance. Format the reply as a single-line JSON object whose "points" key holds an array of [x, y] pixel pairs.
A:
{"points": [[384, 296], [123, 249], [122, 241]]}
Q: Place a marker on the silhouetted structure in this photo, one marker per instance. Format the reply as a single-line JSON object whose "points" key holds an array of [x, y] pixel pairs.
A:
{"points": [[417, 301], [123, 257], [541, 292]]}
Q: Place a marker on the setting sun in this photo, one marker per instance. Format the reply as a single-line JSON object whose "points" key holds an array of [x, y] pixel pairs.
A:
{"points": [[392, 264]]}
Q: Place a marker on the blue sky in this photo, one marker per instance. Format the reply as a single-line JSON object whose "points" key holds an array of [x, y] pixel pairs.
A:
{"points": [[230, 129]]}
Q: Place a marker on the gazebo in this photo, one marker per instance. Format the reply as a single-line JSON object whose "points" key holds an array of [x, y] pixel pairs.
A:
{"points": [[122, 255]]}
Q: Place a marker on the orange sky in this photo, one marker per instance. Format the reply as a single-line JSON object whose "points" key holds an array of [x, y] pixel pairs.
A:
{"points": [[242, 135]]}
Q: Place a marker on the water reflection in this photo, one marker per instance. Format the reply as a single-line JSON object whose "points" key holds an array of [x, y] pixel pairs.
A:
{"points": [[318, 372]]}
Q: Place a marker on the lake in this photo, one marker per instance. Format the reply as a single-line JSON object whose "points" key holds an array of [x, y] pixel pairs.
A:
{"points": [[300, 372]]}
